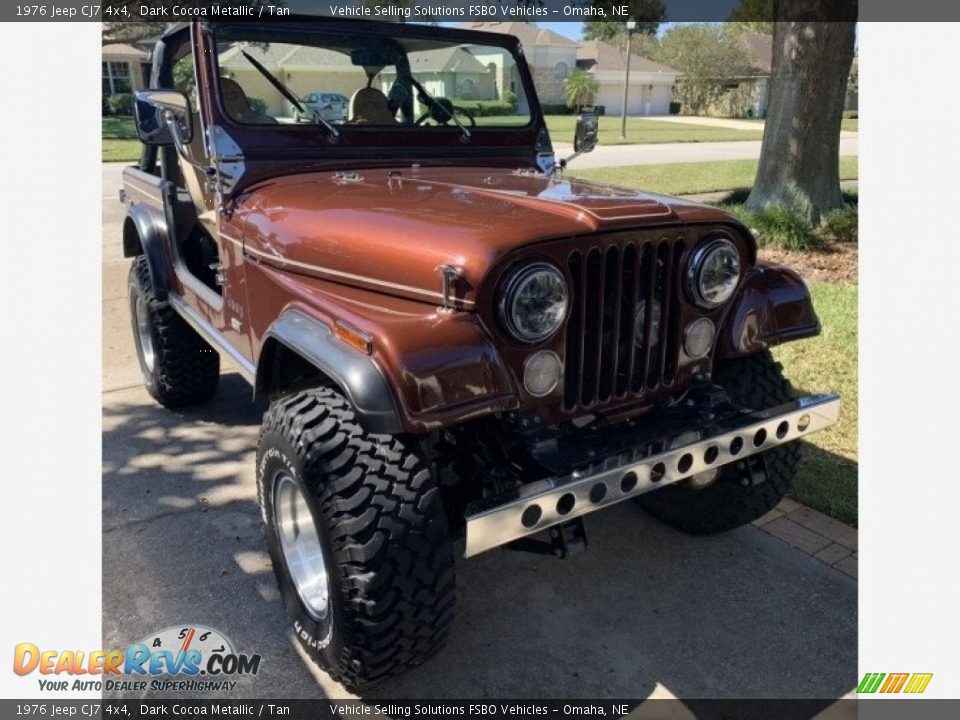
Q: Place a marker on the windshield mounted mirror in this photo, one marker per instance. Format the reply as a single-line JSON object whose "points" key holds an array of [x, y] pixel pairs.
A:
{"points": [[585, 135], [163, 117]]}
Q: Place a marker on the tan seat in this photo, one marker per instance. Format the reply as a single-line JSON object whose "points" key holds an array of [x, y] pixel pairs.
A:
{"points": [[238, 105], [369, 105]]}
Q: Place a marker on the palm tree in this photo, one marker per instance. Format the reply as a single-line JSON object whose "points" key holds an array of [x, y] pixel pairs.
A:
{"points": [[580, 88]]}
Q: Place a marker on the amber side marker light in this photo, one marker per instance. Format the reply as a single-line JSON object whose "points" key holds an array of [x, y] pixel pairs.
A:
{"points": [[356, 339]]}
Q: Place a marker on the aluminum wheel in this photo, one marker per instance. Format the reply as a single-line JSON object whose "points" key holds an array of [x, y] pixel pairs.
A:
{"points": [[300, 545], [144, 334]]}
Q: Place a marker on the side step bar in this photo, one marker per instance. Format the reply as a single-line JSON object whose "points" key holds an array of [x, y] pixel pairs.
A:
{"points": [[546, 503]]}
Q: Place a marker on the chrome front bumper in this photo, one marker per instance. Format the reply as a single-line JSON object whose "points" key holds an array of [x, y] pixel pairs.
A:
{"points": [[552, 501]]}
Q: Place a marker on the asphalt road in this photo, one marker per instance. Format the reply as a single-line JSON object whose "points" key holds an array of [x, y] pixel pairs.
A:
{"points": [[645, 611]]}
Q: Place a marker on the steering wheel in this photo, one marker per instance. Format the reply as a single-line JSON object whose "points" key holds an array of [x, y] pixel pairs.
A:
{"points": [[441, 111]]}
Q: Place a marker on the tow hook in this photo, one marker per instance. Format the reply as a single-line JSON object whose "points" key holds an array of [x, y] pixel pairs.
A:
{"points": [[754, 470], [566, 539]]}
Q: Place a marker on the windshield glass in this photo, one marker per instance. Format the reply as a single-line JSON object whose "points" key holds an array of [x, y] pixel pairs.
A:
{"points": [[350, 79]]}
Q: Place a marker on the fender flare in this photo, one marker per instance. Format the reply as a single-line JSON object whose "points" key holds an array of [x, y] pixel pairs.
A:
{"points": [[145, 233], [358, 376], [772, 307]]}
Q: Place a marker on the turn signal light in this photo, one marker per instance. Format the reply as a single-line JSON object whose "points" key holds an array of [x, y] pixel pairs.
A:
{"points": [[356, 339]]}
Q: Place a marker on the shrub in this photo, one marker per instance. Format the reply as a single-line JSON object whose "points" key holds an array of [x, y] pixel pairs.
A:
{"points": [[777, 226], [510, 98], [485, 108], [258, 105], [840, 225], [120, 104], [850, 114], [784, 228], [675, 107], [550, 109]]}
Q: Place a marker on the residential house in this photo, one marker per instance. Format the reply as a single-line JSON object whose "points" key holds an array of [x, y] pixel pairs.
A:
{"points": [[755, 86], [550, 56], [651, 84], [449, 72], [125, 69], [303, 69]]}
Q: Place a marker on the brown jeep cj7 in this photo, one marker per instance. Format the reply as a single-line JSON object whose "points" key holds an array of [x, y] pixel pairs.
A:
{"points": [[456, 340]]}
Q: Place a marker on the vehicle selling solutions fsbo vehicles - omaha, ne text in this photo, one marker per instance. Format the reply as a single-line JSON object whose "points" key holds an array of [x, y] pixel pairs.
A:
{"points": [[457, 342]]}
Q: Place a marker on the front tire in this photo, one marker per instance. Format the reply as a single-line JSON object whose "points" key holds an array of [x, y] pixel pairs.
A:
{"points": [[755, 383], [179, 367], [375, 531]]}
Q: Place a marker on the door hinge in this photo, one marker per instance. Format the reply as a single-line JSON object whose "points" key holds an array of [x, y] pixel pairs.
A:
{"points": [[218, 277]]}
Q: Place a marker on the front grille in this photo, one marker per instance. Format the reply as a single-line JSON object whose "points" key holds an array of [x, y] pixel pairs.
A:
{"points": [[607, 360]]}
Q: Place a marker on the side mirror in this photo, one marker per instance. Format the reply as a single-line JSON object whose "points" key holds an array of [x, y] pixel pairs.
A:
{"points": [[585, 136], [163, 117]]}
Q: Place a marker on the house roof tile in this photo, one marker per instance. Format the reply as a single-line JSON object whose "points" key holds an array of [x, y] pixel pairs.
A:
{"points": [[594, 55], [527, 34]]}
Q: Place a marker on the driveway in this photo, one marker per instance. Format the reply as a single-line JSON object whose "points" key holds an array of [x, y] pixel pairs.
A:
{"points": [[645, 611]]}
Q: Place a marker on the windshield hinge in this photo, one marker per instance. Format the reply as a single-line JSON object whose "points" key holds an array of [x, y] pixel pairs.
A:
{"points": [[226, 166]]}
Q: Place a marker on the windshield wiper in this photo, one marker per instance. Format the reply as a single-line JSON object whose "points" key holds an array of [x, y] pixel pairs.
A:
{"points": [[287, 94], [431, 102]]}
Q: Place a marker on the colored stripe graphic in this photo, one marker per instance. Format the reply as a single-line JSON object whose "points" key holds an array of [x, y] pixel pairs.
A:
{"points": [[894, 683], [870, 682], [918, 682]]}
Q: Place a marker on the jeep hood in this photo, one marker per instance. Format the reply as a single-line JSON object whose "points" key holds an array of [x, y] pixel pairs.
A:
{"points": [[390, 230]]}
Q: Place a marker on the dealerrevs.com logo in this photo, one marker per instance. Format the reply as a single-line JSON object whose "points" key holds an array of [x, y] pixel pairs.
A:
{"points": [[191, 657]]}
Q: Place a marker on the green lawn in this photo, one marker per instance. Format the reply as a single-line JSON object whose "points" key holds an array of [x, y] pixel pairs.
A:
{"points": [[690, 178], [647, 131], [119, 139], [850, 124], [828, 477]]}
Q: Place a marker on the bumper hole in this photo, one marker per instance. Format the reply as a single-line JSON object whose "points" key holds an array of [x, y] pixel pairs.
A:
{"points": [[598, 492], [628, 482], [760, 438], [736, 445], [782, 430], [710, 456], [657, 472], [686, 462], [803, 423], [565, 503], [531, 516]]}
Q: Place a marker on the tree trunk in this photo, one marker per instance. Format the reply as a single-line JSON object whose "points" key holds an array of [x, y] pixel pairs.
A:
{"points": [[799, 157]]}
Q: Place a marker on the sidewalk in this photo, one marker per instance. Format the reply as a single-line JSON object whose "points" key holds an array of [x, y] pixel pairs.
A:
{"points": [[729, 123], [829, 541]]}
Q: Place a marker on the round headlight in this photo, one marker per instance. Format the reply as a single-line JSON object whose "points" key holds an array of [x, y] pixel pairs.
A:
{"points": [[533, 302], [713, 273]]}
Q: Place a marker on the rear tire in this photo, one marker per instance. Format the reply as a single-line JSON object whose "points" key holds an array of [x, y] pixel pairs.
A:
{"points": [[380, 539], [179, 367], [756, 383]]}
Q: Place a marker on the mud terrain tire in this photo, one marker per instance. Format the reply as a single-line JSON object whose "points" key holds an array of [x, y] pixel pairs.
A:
{"points": [[179, 367], [381, 527], [755, 382]]}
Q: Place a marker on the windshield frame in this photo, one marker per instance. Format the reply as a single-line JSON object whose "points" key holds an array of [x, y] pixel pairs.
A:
{"points": [[400, 140]]}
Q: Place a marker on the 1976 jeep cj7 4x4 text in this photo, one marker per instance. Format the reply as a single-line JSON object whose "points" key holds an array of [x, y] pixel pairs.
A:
{"points": [[455, 340]]}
